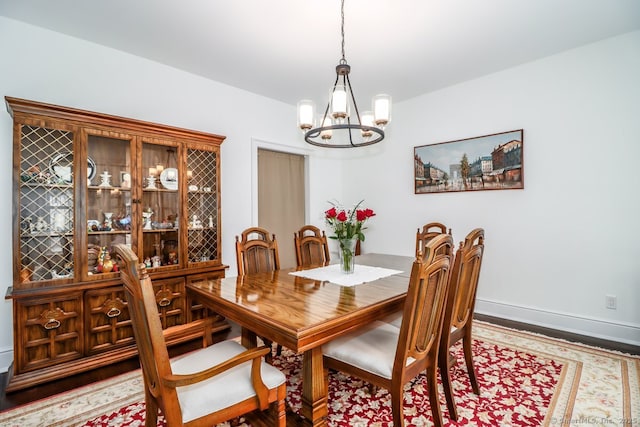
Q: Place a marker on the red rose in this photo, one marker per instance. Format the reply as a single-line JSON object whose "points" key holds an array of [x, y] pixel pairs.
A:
{"points": [[342, 216], [361, 215], [331, 213], [369, 213]]}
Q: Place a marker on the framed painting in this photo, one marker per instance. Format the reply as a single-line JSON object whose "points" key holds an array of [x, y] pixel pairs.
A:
{"points": [[489, 162]]}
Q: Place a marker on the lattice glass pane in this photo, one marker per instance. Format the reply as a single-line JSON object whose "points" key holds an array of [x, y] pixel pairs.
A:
{"points": [[202, 205], [46, 203]]}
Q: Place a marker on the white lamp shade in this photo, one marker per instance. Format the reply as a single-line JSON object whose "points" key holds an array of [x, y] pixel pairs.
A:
{"points": [[382, 109], [339, 104], [306, 114], [325, 134], [366, 119]]}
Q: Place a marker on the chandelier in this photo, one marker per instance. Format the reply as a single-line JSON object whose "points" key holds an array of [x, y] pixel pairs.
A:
{"points": [[341, 116]]}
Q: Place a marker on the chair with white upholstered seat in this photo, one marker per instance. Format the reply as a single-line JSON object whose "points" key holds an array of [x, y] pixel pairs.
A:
{"points": [[458, 316], [389, 357], [204, 387]]}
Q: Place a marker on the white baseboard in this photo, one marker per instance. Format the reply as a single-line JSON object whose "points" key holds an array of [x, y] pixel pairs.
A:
{"points": [[6, 358], [598, 328]]}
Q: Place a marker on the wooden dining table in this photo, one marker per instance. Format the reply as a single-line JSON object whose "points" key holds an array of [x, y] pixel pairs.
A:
{"points": [[302, 314]]}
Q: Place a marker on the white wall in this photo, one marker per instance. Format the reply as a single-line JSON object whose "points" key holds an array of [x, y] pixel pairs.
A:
{"points": [[556, 248]]}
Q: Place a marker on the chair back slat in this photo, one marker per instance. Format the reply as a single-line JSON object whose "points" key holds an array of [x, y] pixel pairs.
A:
{"points": [[465, 278], [428, 232], [312, 249], [256, 251]]}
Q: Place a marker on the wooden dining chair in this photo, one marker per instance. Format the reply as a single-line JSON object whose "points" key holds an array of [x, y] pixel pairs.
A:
{"points": [[441, 247], [312, 249], [202, 388], [458, 316], [389, 357], [428, 232], [257, 252]]}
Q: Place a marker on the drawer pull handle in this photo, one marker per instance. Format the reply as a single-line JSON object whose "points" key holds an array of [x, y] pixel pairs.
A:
{"points": [[52, 324], [113, 312], [164, 302]]}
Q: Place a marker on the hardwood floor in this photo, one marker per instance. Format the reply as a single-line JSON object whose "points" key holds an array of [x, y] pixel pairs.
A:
{"points": [[22, 397]]}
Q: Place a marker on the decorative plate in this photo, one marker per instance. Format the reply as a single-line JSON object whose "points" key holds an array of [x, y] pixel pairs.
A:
{"points": [[91, 168], [61, 167], [169, 178]]}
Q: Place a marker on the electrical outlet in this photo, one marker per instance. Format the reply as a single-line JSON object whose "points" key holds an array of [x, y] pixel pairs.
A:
{"points": [[611, 302]]}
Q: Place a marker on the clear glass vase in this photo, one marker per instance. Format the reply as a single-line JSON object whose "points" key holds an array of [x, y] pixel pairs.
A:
{"points": [[347, 249]]}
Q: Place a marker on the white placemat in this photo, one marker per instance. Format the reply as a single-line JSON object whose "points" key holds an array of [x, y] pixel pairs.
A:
{"points": [[332, 273]]}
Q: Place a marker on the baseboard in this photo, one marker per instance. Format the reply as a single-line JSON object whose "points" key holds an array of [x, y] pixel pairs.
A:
{"points": [[6, 358], [598, 328]]}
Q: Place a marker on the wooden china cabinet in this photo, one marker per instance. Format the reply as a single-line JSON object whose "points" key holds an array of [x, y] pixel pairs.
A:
{"points": [[83, 181]]}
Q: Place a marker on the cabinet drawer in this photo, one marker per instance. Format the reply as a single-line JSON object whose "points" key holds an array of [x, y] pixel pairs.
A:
{"points": [[108, 322], [171, 300], [50, 331]]}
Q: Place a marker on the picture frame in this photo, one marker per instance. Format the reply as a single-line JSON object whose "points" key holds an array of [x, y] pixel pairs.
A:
{"points": [[487, 162], [125, 179], [60, 220]]}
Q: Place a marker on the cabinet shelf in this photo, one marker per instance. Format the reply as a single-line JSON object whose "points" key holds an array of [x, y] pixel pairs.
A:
{"points": [[46, 185], [94, 233], [158, 190], [46, 235], [97, 188]]}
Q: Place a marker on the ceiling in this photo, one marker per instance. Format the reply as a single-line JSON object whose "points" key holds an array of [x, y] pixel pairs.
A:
{"points": [[288, 49]]}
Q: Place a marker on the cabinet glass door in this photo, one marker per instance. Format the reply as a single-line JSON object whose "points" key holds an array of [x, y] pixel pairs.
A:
{"points": [[108, 202], [202, 204], [160, 206], [46, 202]]}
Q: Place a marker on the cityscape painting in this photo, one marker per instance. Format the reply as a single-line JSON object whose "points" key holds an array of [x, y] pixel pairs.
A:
{"points": [[489, 162]]}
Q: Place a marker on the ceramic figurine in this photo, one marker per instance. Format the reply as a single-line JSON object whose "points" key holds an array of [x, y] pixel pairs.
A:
{"points": [[105, 179], [41, 224], [146, 215], [108, 222]]}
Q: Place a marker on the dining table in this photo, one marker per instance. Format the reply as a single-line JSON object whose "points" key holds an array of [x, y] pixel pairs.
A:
{"points": [[301, 313]]}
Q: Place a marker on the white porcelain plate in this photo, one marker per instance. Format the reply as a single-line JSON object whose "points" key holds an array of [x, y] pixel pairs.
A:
{"points": [[169, 178]]}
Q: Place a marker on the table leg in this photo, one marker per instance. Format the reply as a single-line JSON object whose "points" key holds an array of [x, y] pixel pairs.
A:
{"points": [[248, 338], [314, 390]]}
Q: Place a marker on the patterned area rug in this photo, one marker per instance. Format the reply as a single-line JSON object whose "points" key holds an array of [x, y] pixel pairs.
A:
{"points": [[525, 380]]}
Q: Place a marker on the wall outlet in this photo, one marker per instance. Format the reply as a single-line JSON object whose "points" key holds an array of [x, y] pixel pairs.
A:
{"points": [[611, 302]]}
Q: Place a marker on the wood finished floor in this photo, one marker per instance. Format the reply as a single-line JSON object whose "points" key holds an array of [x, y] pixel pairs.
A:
{"points": [[22, 397]]}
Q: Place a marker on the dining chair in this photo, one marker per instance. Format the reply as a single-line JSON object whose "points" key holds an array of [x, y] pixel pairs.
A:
{"points": [[202, 388], [257, 252], [428, 232], [312, 249], [441, 247], [389, 357], [458, 317]]}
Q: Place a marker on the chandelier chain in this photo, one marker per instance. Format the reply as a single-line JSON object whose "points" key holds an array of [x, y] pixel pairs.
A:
{"points": [[344, 60]]}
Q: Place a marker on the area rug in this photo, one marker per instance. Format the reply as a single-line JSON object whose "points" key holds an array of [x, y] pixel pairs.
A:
{"points": [[525, 380]]}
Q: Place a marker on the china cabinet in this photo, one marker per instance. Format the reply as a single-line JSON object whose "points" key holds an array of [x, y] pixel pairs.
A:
{"points": [[82, 182]]}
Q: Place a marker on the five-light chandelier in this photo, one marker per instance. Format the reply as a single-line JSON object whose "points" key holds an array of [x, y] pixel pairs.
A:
{"points": [[342, 114]]}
